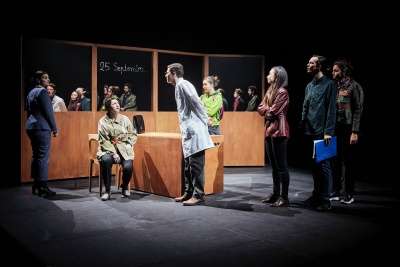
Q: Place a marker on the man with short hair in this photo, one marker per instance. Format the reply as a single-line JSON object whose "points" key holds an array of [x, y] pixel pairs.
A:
{"points": [[318, 121], [56, 101], [254, 100], [85, 101], [193, 121], [128, 99]]}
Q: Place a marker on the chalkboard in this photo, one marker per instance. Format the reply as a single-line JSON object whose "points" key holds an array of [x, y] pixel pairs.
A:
{"points": [[69, 66], [237, 72], [193, 72], [116, 67]]}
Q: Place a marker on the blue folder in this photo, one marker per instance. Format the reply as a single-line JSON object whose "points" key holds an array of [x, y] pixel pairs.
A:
{"points": [[323, 151]]}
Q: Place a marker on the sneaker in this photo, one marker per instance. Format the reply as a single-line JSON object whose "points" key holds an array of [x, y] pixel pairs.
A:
{"points": [[126, 193], [106, 196], [334, 197], [348, 199]]}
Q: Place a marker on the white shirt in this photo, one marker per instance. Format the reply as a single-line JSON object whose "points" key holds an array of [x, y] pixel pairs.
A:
{"points": [[192, 119]]}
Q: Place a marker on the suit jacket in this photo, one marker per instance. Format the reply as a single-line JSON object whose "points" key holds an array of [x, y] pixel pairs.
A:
{"points": [[192, 119], [40, 111]]}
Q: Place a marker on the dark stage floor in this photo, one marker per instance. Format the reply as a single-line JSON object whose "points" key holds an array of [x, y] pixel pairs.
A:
{"points": [[231, 229]]}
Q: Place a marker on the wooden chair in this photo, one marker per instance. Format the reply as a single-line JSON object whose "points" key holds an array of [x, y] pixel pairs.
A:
{"points": [[93, 144]]}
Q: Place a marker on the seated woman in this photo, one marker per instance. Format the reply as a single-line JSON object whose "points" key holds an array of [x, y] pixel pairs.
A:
{"points": [[74, 102], [116, 139]]}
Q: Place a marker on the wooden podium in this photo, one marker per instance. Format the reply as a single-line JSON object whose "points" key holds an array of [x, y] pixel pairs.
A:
{"points": [[158, 165]]}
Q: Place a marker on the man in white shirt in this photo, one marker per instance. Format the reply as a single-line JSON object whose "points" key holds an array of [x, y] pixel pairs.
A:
{"points": [[195, 137], [56, 101]]}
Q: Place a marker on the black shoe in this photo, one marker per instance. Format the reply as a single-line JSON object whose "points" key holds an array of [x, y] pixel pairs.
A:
{"points": [[281, 202], [325, 206], [35, 189], [45, 191], [348, 199], [311, 201], [270, 199]]}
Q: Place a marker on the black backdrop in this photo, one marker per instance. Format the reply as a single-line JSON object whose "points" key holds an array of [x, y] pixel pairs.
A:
{"points": [[115, 67], [237, 72], [193, 72], [69, 66]]}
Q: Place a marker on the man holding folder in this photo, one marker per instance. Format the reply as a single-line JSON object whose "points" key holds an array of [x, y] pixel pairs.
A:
{"points": [[318, 121]]}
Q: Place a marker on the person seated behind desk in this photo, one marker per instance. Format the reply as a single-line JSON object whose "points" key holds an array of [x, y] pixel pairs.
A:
{"points": [[116, 139], [74, 103], [56, 101], [128, 99]]}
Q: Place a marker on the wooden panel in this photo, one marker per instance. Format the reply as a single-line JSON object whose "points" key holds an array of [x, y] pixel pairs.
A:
{"points": [[155, 171], [94, 79], [69, 150], [244, 139], [167, 122], [26, 152], [243, 132], [214, 166], [154, 99], [161, 173]]}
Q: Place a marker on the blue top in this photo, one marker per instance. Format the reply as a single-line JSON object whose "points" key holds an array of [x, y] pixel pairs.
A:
{"points": [[40, 111]]}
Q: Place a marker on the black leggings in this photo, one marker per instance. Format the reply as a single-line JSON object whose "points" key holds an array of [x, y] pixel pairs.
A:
{"points": [[106, 163], [277, 154]]}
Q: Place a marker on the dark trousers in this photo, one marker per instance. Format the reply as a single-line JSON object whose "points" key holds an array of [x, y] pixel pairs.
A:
{"points": [[277, 154], [40, 142], [214, 130], [106, 163], [194, 174], [344, 164], [321, 172]]}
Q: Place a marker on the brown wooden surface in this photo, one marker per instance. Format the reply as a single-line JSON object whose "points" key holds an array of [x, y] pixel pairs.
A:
{"points": [[158, 165], [243, 140], [167, 122], [214, 167]]}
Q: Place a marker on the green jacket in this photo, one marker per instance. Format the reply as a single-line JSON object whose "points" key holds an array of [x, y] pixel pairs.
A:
{"points": [[213, 105], [119, 131]]}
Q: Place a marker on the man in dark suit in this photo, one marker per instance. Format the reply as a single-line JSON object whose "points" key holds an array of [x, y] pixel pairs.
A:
{"points": [[39, 126]]}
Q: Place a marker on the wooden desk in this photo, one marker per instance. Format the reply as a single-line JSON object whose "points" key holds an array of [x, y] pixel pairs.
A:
{"points": [[158, 165]]}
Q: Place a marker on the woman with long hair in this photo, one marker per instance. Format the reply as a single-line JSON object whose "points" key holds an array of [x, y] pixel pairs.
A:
{"points": [[274, 107]]}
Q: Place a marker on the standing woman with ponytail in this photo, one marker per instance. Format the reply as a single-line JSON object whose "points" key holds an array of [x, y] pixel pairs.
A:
{"points": [[274, 107]]}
